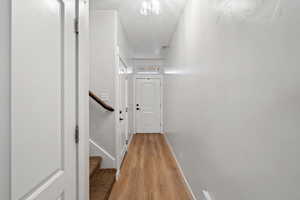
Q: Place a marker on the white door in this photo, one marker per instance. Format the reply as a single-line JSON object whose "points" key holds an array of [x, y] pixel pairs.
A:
{"points": [[43, 103], [148, 105], [123, 85]]}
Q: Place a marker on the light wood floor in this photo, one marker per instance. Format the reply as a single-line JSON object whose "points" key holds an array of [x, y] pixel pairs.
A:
{"points": [[150, 172]]}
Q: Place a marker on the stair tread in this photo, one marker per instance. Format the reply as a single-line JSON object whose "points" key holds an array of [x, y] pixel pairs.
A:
{"points": [[95, 164], [101, 184]]}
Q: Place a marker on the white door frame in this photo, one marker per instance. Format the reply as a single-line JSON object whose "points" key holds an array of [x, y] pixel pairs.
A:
{"points": [[119, 158], [123, 148], [145, 76], [83, 100], [126, 111], [126, 98]]}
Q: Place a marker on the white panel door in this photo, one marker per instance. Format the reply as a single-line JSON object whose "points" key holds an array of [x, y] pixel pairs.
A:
{"points": [[148, 105], [43, 106]]}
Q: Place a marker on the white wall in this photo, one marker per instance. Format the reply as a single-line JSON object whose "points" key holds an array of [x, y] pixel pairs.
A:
{"points": [[232, 101], [4, 99], [124, 44], [106, 34], [102, 79]]}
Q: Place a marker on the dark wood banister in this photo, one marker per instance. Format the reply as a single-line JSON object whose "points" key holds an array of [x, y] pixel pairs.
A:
{"points": [[101, 102]]}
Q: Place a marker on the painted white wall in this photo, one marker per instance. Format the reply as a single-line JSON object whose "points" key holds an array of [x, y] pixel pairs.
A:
{"points": [[5, 99], [232, 101], [107, 33], [103, 38], [124, 44]]}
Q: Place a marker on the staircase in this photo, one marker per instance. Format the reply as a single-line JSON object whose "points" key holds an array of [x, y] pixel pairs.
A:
{"points": [[101, 180]]}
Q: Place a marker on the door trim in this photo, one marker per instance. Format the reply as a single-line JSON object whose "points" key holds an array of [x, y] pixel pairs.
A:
{"points": [[148, 76], [120, 152], [82, 13], [123, 148]]}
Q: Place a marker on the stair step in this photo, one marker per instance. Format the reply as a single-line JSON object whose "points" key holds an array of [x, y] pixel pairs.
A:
{"points": [[101, 184], [95, 163]]}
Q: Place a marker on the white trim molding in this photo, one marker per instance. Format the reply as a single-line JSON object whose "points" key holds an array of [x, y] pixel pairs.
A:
{"points": [[102, 150], [129, 141], [126, 151], [83, 81], [180, 168]]}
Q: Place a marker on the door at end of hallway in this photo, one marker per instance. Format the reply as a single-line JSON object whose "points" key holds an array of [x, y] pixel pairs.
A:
{"points": [[148, 105]]}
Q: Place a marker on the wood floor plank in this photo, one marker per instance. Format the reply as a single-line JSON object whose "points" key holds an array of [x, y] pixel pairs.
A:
{"points": [[150, 172]]}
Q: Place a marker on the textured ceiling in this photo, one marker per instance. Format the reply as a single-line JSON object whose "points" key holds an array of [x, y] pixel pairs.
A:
{"points": [[147, 34]]}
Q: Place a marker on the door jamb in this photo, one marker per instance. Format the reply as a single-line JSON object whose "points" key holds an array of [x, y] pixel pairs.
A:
{"points": [[82, 51], [126, 111], [151, 76], [118, 59], [121, 148]]}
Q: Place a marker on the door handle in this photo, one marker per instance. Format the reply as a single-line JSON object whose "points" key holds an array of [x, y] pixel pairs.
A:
{"points": [[137, 108], [121, 119]]}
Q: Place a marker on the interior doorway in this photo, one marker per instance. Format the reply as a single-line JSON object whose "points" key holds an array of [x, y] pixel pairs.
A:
{"points": [[148, 106]]}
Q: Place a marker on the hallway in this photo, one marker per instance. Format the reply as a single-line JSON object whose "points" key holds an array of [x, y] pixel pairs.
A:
{"points": [[150, 100], [149, 172]]}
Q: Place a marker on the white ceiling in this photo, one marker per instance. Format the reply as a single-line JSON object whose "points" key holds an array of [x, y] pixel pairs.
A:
{"points": [[147, 34]]}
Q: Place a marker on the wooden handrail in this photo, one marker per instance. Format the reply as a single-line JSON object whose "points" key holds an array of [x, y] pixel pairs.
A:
{"points": [[101, 102]]}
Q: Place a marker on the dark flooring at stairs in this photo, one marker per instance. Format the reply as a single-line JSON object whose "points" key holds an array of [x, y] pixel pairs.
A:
{"points": [[101, 184], [95, 163], [101, 180]]}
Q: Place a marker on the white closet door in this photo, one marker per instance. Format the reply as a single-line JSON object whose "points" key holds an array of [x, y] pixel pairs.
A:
{"points": [[43, 150]]}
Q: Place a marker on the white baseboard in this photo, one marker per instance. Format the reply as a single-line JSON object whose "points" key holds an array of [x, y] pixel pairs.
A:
{"points": [[124, 151], [123, 154], [130, 140], [122, 157], [180, 168], [118, 174]]}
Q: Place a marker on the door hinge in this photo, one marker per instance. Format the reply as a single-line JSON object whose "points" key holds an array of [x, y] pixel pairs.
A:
{"points": [[126, 142], [77, 135], [76, 26]]}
